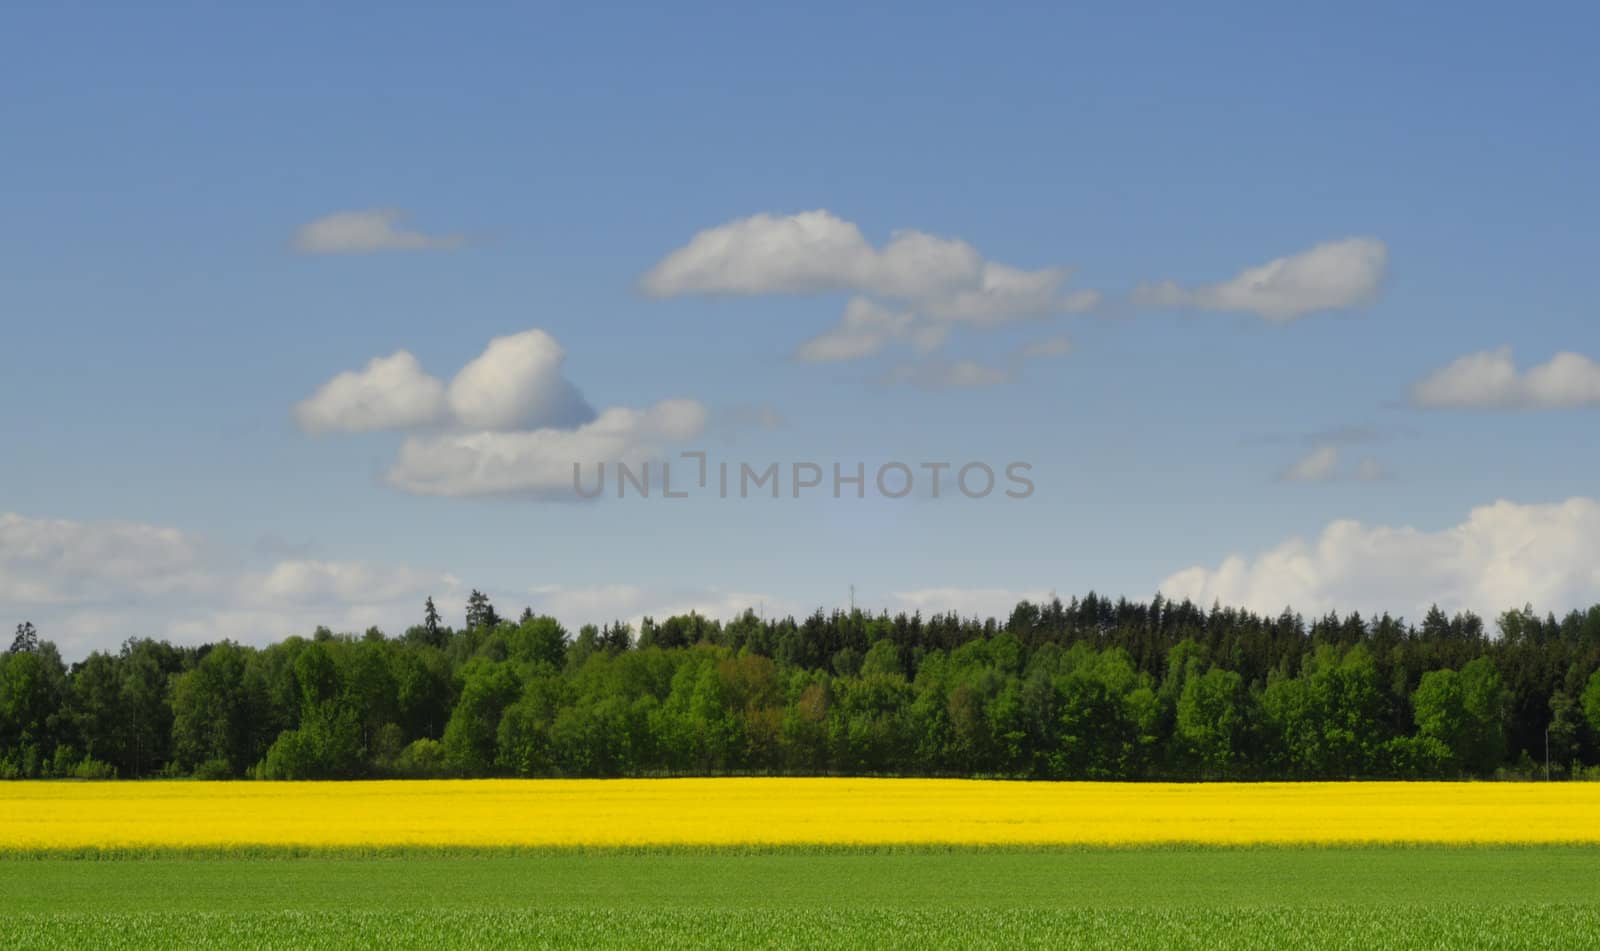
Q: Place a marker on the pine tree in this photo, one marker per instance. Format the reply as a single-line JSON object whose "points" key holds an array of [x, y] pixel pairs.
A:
{"points": [[480, 613], [27, 639]]}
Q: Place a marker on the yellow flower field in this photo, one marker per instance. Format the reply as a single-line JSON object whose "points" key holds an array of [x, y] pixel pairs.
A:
{"points": [[708, 812]]}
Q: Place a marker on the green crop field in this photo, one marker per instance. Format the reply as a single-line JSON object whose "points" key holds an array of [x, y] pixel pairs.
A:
{"points": [[1136, 898]]}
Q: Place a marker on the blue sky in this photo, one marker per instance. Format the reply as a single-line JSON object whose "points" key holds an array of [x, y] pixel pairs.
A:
{"points": [[162, 324]]}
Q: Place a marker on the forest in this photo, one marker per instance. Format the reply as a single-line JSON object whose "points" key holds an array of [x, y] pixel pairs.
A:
{"points": [[1091, 689]]}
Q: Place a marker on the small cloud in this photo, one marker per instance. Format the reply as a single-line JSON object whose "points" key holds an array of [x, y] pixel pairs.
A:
{"points": [[1318, 466], [930, 283], [967, 602], [1491, 380], [1323, 464], [1333, 276], [364, 232]]}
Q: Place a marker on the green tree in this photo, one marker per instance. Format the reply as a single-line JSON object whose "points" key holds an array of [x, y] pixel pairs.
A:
{"points": [[1591, 701], [1464, 711], [212, 714], [469, 738], [27, 639], [1209, 721], [481, 615]]}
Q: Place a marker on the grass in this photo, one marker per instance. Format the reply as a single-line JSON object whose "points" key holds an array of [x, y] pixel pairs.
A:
{"points": [[1271, 928], [1423, 897]]}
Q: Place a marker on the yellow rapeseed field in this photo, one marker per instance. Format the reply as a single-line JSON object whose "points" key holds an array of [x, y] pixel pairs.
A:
{"points": [[714, 812]]}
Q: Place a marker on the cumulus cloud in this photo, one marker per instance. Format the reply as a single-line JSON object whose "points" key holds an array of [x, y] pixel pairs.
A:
{"points": [[392, 392], [540, 462], [363, 232], [509, 423], [89, 585], [808, 253], [966, 602], [1333, 276], [517, 383], [1502, 556], [1491, 380], [934, 282]]}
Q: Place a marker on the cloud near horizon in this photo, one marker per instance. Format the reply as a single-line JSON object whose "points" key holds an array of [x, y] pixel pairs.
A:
{"points": [[89, 585], [1502, 556]]}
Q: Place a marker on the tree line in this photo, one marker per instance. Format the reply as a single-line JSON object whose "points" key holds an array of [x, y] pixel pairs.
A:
{"points": [[1088, 689]]}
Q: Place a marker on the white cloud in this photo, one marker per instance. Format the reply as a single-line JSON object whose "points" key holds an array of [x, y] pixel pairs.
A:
{"points": [[934, 282], [306, 582], [965, 602], [540, 462], [90, 585], [1006, 293], [1324, 463], [57, 561], [392, 392], [811, 252], [517, 383], [1320, 465], [514, 423], [1490, 380], [1331, 276], [1503, 556], [867, 327], [362, 232]]}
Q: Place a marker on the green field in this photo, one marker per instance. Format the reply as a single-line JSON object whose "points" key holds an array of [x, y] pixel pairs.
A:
{"points": [[1155, 898]]}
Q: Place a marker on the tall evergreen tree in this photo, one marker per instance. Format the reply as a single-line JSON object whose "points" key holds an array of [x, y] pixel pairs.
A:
{"points": [[27, 639]]}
